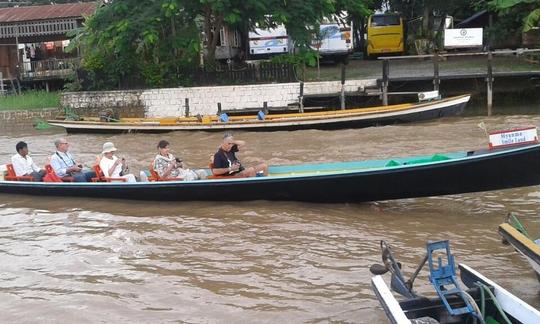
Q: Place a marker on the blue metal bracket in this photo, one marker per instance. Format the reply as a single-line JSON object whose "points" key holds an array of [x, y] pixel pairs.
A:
{"points": [[443, 278]]}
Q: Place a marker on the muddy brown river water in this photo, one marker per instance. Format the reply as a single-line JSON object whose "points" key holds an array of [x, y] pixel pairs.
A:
{"points": [[96, 260]]}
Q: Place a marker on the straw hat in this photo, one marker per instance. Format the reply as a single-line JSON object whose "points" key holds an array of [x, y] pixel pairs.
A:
{"points": [[108, 147]]}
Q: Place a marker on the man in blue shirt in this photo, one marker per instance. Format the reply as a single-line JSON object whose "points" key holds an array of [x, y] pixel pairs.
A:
{"points": [[64, 164]]}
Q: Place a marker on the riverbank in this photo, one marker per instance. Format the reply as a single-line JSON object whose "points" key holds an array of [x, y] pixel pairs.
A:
{"points": [[463, 74]]}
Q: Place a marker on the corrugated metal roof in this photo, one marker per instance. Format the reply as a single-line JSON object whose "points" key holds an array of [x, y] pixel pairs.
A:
{"points": [[31, 13]]}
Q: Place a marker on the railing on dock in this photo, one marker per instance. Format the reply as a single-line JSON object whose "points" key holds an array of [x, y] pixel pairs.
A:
{"points": [[436, 57], [249, 73], [49, 69]]}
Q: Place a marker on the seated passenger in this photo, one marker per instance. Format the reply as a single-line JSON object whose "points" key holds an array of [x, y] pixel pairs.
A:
{"points": [[24, 165], [167, 166], [226, 163], [64, 165], [112, 166]]}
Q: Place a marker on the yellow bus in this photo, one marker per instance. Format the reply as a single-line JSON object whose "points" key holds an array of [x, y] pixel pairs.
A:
{"points": [[385, 34]]}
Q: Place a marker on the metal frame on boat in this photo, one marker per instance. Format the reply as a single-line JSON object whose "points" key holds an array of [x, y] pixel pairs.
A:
{"points": [[359, 181], [350, 118]]}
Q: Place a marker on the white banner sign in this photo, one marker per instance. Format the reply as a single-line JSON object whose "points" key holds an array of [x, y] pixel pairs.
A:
{"points": [[465, 37], [511, 137]]}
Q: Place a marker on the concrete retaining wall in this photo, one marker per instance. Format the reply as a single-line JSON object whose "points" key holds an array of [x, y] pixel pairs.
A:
{"points": [[202, 100], [7, 116], [89, 103]]}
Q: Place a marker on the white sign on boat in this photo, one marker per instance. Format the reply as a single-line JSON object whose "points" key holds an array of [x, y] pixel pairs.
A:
{"points": [[513, 137], [428, 95]]}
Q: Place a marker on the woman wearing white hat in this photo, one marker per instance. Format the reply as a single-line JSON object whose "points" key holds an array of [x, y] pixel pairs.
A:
{"points": [[112, 166]]}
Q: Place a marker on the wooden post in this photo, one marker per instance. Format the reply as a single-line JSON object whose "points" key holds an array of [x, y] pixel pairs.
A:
{"points": [[436, 80], [385, 71], [301, 98], [2, 93], [342, 95], [187, 107], [489, 81], [265, 108], [219, 108]]}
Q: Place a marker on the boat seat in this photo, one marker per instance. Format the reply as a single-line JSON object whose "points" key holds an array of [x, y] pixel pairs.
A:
{"points": [[443, 278], [154, 176], [12, 176], [50, 169], [100, 177]]}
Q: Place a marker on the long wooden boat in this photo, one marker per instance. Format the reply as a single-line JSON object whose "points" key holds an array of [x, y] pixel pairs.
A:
{"points": [[350, 118], [515, 234], [483, 300], [357, 181]]}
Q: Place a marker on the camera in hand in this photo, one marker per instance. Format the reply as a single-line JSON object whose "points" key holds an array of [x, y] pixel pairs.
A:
{"points": [[178, 160], [80, 165], [240, 168]]}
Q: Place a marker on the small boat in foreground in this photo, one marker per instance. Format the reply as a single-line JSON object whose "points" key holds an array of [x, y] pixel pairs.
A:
{"points": [[515, 234], [357, 181], [336, 119], [484, 301]]}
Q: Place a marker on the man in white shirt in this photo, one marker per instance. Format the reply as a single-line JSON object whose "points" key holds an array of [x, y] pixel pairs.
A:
{"points": [[24, 165], [64, 164]]}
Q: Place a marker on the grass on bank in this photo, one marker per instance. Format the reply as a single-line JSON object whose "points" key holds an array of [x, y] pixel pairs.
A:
{"points": [[30, 100]]}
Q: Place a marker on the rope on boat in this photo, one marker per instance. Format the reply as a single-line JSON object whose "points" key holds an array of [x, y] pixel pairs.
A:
{"points": [[495, 301], [478, 314]]}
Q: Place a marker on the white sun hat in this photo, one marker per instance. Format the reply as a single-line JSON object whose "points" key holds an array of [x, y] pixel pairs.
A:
{"points": [[108, 147]]}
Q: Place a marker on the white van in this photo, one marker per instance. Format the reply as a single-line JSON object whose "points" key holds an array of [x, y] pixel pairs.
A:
{"points": [[334, 40], [267, 42]]}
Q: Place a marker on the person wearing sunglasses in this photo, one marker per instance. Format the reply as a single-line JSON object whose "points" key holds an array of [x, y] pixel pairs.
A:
{"points": [[64, 164]]}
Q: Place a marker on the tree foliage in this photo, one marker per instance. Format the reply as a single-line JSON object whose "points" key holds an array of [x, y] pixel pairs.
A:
{"points": [[154, 40], [527, 11], [129, 40]]}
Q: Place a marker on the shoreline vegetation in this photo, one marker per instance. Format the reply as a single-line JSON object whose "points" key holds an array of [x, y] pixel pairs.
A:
{"points": [[30, 100]]}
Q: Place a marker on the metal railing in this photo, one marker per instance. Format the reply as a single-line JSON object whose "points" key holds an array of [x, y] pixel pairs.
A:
{"points": [[49, 69], [436, 77]]}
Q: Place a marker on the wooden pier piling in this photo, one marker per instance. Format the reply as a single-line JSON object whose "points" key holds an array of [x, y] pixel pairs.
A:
{"points": [[436, 79], [301, 98], [386, 71], [489, 82], [342, 94]]}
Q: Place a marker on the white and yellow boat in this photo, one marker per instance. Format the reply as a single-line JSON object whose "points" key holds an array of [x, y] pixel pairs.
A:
{"points": [[336, 119], [513, 232]]}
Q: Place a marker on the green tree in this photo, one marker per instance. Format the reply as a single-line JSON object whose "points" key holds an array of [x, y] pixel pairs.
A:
{"points": [[154, 40], [131, 41], [515, 17], [427, 10]]}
